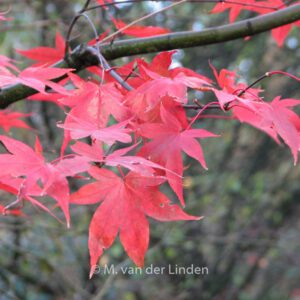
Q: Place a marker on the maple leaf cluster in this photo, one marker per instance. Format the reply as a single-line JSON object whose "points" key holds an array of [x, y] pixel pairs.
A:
{"points": [[261, 8], [130, 142]]}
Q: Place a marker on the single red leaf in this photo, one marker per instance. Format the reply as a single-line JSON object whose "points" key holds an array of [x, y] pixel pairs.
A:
{"points": [[125, 204], [169, 139], [137, 164], [37, 78], [138, 30], [275, 118], [145, 100], [10, 119], [80, 128], [46, 56]]}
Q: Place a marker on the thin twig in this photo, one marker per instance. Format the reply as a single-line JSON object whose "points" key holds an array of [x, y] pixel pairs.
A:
{"points": [[267, 74], [252, 84], [103, 62], [196, 107], [73, 22], [96, 52]]}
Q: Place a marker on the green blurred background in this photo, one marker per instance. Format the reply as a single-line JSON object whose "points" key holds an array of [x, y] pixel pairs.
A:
{"points": [[249, 239]]}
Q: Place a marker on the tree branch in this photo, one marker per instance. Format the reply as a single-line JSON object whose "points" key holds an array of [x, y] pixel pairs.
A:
{"points": [[82, 56], [204, 37]]}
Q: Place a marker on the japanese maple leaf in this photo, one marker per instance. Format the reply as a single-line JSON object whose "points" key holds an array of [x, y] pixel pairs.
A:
{"points": [[49, 97], [125, 203], [52, 96], [46, 56], [24, 161], [137, 164], [226, 80], [169, 139], [80, 128], [94, 102], [276, 119], [10, 119], [228, 101], [162, 65], [23, 192], [149, 96], [36, 77], [272, 118], [261, 7], [153, 115], [280, 34], [138, 30], [173, 83], [162, 84], [233, 92]]}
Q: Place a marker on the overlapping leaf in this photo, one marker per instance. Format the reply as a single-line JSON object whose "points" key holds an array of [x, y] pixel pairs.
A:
{"points": [[168, 140], [46, 56], [37, 78], [23, 161], [125, 203]]}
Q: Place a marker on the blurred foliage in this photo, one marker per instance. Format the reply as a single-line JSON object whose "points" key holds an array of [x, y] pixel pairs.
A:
{"points": [[249, 239]]}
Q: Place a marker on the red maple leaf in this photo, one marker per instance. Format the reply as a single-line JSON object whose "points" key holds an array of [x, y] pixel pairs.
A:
{"points": [[22, 191], [168, 140], [275, 118], [226, 80], [22, 161], [46, 56], [280, 34], [260, 7], [138, 30], [37, 78], [125, 203], [160, 82], [81, 128], [94, 102], [137, 164], [10, 119], [162, 65]]}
